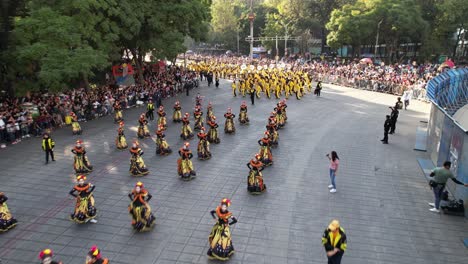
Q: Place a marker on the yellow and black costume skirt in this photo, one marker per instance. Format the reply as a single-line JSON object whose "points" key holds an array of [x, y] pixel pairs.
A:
{"points": [[142, 218], [221, 247], [7, 221], [82, 165], [84, 209], [137, 166]]}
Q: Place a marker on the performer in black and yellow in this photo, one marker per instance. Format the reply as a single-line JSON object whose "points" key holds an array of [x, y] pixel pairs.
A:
{"points": [[184, 163], [94, 256], [272, 129], [213, 132], [140, 210], [177, 115], [143, 131], [85, 210], [162, 118], [265, 153], [46, 255], [198, 116], [243, 118], [121, 141], [81, 163], [162, 148], [7, 221], [150, 110], [280, 115], [203, 148], [48, 146], [186, 132], [76, 128], [118, 112], [220, 241], [283, 106], [255, 184], [137, 165], [229, 126], [209, 112]]}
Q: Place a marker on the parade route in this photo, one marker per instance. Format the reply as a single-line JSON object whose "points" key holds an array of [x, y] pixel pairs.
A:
{"points": [[381, 200]]}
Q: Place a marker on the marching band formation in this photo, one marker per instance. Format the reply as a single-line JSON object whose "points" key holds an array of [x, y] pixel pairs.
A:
{"points": [[245, 80]]}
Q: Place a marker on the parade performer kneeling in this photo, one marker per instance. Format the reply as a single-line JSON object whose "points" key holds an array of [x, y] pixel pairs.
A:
{"points": [[177, 115], [229, 127], [162, 148], [140, 210], [186, 132], [94, 256], [213, 132], [137, 165], [7, 221], [265, 153], [143, 131], [81, 163], [220, 242], [76, 128], [203, 148], [243, 118], [198, 116], [120, 141], [85, 210], [118, 112], [184, 163], [255, 184], [162, 117], [46, 257]]}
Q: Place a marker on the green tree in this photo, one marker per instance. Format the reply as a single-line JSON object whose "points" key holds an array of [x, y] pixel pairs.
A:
{"points": [[52, 46], [452, 21], [400, 21]]}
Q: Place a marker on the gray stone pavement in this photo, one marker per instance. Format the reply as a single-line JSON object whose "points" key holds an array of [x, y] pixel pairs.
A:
{"points": [[381, 200]]}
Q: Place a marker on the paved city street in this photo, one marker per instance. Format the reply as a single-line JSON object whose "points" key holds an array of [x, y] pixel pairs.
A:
{"points": [[381, 200]]}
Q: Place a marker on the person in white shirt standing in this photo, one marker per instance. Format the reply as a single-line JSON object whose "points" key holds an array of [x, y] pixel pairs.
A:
{"points": [[407, 94]]}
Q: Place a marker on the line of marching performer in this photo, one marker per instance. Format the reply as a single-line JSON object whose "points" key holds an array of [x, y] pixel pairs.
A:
{"points": [[142, 218], [274, 79]]}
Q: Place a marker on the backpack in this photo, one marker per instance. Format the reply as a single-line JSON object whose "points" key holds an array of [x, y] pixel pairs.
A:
{"points": [[454, 207]]}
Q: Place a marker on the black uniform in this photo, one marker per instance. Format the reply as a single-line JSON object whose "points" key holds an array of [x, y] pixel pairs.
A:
{"points": [[252, 96], [318, 88], [387, 126], [393, 119]]}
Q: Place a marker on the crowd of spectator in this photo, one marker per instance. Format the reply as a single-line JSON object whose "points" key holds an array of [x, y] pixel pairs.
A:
{"points": [[36, 113], [21, 117]]}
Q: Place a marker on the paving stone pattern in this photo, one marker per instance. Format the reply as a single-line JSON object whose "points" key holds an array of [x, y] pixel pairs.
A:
{"points": [[381, 200]]}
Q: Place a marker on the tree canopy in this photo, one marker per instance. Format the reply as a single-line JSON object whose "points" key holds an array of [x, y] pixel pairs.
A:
{"points": [[56, 43]]}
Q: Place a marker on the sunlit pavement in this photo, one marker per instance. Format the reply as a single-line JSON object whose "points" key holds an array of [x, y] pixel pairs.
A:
{"points": [[381, 200]]}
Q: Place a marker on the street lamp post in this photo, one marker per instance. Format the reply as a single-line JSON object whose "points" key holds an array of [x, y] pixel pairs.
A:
{"points": [[286, 36], [251, 18], [377, 38]]}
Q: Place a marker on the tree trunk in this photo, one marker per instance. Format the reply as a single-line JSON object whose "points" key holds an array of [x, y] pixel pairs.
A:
{"points": [[85, 81], [136, 57], [456, 44], [324, 39]]}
